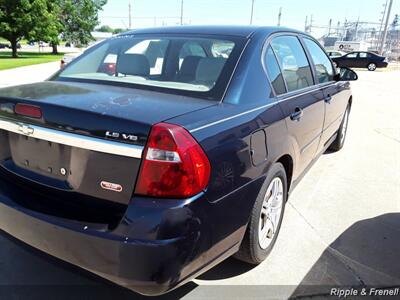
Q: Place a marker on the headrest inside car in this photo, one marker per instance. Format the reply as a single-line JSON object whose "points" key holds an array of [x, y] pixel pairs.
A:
{"points": [[133, 64]]}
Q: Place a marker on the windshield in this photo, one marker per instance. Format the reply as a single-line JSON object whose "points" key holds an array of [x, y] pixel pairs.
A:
{"points": [[194, 65]]}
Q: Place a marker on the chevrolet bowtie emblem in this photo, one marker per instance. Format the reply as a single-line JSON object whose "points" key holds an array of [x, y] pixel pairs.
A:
{"points": [[25, 129]]}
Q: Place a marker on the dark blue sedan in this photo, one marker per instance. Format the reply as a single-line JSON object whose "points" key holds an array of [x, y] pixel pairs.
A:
{"points": [[159, 153], [361, 59]]}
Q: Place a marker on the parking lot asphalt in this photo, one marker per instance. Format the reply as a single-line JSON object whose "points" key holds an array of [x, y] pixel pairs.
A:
{"points": [[341, 225]]}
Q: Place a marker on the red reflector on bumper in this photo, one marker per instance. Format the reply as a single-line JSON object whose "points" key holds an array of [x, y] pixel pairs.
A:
{"points": [[28, 110]]}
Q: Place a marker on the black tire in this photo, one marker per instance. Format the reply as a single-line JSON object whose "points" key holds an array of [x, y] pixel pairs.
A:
{"points": [[371, 67], [250, 250], [338, 143]]}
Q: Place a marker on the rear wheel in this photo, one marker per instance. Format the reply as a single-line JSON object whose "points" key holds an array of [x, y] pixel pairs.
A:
{"points": [[371, 67], [338, 143], [266, 217]]}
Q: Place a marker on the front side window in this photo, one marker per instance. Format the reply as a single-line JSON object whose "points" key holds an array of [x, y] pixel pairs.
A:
{"points": [[295, 67], [321, 61], [274, 72], [187, 64]]}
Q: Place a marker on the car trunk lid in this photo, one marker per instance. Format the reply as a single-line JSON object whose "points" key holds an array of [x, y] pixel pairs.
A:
{"points": [[90, 138]]}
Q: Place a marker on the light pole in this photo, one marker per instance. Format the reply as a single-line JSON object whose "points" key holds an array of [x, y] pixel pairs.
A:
{"points": [[130, 15], [252, 12], [386, 28], [279, 16], [381, 26], [181, 12]]}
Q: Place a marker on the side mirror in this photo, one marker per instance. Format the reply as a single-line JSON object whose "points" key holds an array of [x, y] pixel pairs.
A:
{"points": [[346, 74]]}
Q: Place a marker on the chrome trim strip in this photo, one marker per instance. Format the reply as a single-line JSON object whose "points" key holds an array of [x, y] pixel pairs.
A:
{"points": [[72, 139], [283, 99], [308, 90], [232, 117]]}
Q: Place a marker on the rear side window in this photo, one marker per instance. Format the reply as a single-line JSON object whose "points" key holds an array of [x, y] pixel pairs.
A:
{"points": [[295, 67], [322, 63], [274, 72]]}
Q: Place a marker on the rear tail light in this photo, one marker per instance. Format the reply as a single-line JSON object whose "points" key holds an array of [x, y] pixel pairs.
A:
{"points": [[28, 110], [174, 164]]}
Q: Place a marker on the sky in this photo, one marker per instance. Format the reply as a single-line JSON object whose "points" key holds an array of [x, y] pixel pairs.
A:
{"points": [[150, 13]]}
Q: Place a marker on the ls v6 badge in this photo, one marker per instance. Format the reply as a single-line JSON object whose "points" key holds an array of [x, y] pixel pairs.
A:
{"points": [[121, 136]]}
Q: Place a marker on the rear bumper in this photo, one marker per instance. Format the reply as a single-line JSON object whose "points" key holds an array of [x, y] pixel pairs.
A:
{"points": [[147, 267], [383, 64], [157, 246]]}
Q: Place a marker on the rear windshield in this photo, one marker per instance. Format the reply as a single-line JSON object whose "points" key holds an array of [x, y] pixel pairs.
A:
{"points": [[195, 66]]}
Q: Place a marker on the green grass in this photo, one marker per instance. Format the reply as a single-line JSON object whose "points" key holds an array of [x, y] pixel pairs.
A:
{"points": [[26, 59]]}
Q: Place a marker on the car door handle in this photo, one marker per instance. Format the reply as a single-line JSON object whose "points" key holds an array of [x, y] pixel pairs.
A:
{"points": [[328, 99], [296, 116]]}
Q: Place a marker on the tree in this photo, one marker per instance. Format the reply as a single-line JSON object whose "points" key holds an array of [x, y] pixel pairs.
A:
{"points": [[23, 19], [77, 18], [49, 30], [105, 28]]}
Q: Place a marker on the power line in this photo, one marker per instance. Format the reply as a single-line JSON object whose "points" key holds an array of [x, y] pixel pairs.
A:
{"points": [[139, 18]]}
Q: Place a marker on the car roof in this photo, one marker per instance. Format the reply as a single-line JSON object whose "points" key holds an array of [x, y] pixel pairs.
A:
{"points": [[233, 30]]}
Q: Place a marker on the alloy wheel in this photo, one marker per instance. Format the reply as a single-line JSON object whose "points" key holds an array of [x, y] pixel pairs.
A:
{"points": [[271, 212]]}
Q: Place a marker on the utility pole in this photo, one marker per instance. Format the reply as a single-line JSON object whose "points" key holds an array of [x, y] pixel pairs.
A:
{"points": [[181, 12], [382, 19], [252, 12], [130, 15], [357, 25], [305, 24], [280, 16], [386, 28], [329, 27]]}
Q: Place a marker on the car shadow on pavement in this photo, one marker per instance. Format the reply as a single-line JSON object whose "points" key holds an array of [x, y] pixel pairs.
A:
{"points": [[365, 255], [230, 267]]}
